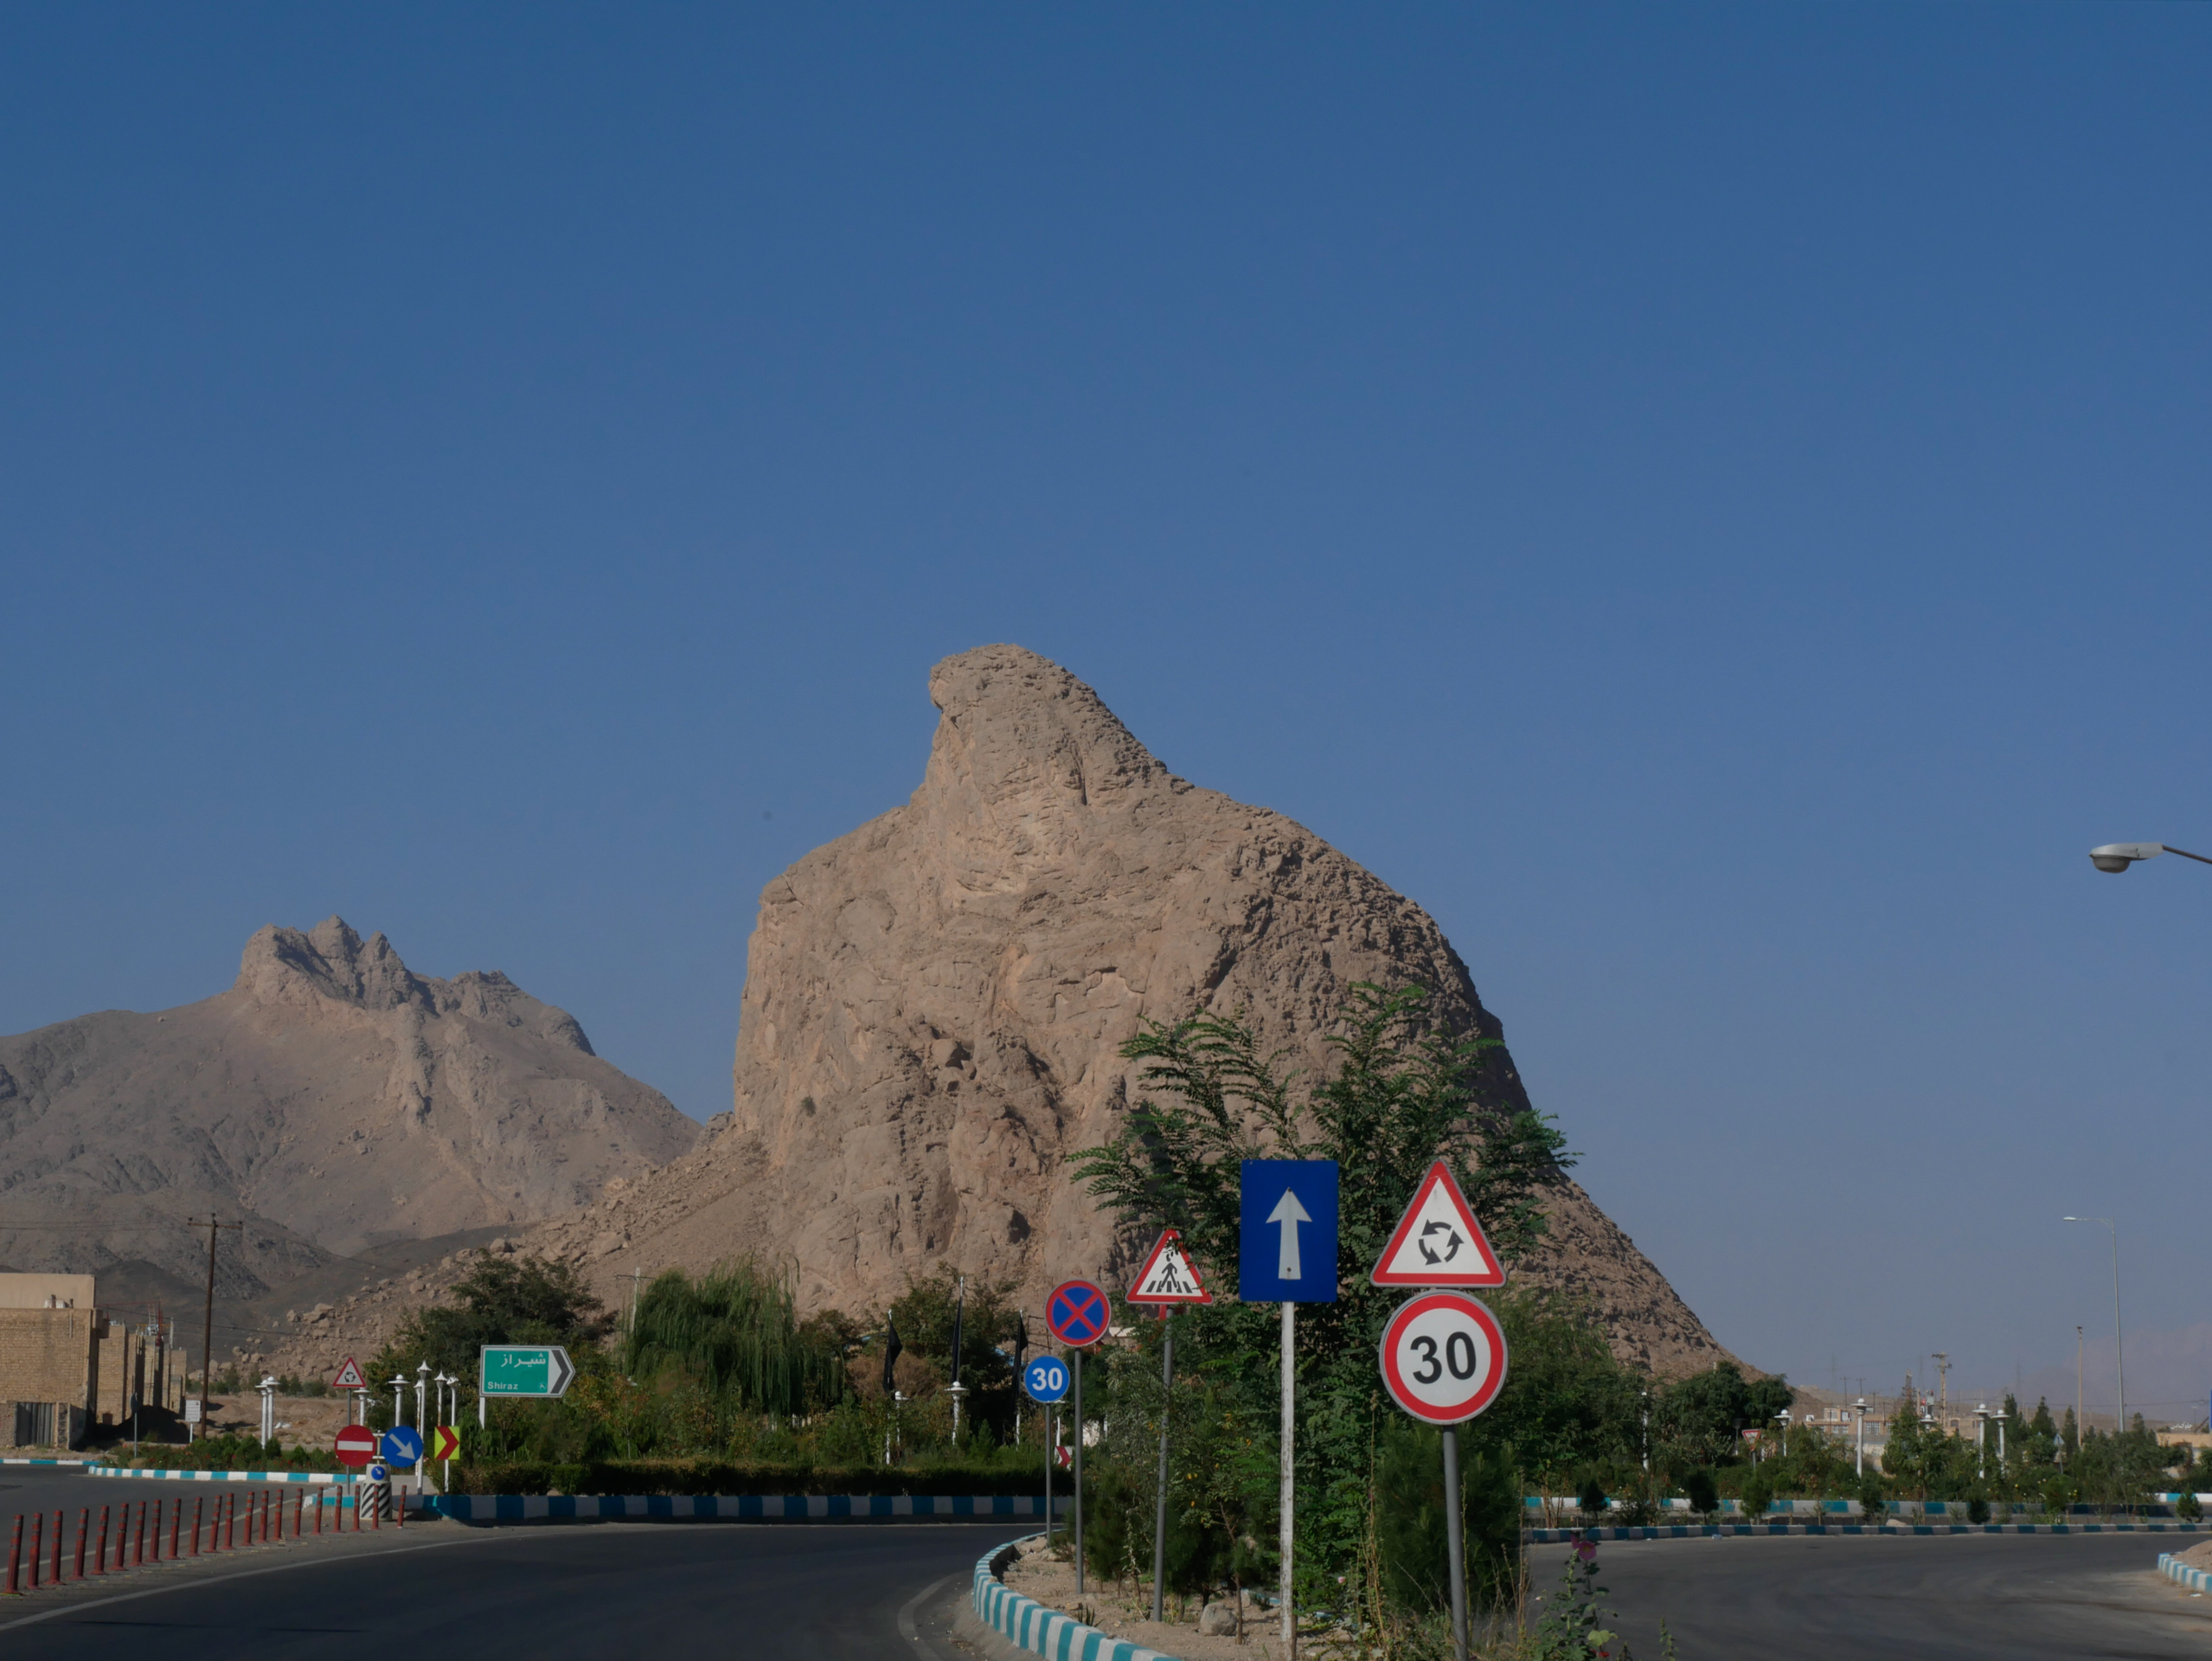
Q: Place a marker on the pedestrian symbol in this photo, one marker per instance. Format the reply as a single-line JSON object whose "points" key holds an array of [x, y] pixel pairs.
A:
{"points": [[1168, 1276]]}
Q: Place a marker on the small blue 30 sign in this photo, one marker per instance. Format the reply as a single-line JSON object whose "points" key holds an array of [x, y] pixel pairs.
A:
{"points": [[1045, 1379]]}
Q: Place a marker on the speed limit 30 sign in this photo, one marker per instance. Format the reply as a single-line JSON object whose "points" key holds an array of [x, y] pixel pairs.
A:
{"points": [[1443, 1357]]}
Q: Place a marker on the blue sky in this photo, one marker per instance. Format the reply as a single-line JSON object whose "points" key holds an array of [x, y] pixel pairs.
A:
{"points": [[1711, 502]]}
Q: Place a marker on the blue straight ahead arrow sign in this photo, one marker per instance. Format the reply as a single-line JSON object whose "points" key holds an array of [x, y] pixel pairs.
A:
{"points": [[1287, 1250]]}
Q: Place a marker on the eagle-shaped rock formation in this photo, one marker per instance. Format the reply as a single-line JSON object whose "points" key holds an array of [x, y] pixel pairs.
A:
{"points": [[934, 1005]]}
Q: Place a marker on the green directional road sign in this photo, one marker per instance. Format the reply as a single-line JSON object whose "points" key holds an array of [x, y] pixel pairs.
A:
{"points": [[526, 1369]]}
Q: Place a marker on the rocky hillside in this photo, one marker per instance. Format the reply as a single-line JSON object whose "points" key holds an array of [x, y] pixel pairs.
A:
{"points": [[332, 1096], [935, 1003]]}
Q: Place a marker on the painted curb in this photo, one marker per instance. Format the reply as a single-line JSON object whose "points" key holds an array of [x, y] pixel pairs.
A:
{"points": [[222, 1476], [746, 1508], [1041, 1631], [1739, 1530], [14, 1461], [2182, 1574]]}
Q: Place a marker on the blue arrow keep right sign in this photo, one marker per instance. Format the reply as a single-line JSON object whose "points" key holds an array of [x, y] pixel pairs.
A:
{"points": [[1287, 1239]]}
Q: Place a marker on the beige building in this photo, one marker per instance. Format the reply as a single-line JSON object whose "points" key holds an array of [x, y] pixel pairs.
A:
{"points": [[65, 1366]]}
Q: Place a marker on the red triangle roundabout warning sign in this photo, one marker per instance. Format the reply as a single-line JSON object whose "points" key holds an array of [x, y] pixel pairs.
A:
{"points": [[1168, 1276], [1438, 1242], [350, 1377]]}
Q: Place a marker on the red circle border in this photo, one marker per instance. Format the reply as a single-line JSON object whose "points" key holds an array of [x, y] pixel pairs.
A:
{"points": [[1481, 1401]]}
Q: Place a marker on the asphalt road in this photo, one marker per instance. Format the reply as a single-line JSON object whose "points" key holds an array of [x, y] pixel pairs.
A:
{"points": [[615, 1589], [2025, 1597]]}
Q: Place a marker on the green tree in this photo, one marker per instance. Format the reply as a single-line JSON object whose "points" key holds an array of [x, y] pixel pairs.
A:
{"points": [[735, 1331], [1404, 1093]]}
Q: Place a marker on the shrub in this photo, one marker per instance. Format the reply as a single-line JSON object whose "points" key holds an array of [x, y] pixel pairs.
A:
{"points": [[2188, 1508], [1698, 1488], [1871, 1498], [1757, 1493], [1978, 1509], [1410, 1521], [1591, 1497]]}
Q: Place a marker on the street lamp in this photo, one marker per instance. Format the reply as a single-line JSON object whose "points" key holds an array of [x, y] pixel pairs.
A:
{"points": [[2116, 856], [1981, 1442], [1860, 1416], [2119, 1364]]}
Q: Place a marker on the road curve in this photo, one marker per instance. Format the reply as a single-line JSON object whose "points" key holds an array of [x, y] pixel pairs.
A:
{"points": [[2024, 1597], [626, 1591]]}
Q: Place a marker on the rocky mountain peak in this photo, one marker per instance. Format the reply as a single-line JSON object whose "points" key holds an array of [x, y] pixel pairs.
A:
{"points": [[330, 960]]}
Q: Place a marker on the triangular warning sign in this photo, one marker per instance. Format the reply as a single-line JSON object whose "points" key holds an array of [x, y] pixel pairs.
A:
{"points": [[1438, 1242], [350, 1377], [1168, 1277]]}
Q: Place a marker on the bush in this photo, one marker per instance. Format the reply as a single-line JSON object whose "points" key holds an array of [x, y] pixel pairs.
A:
{"points": [[1757, 1493], [1410, 1521], [1978, 1509], [1591, 1497], [1872, 1502], [1698, 1488], [2188, 1508]]}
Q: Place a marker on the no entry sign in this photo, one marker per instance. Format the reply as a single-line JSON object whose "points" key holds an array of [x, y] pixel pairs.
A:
{"points": [[356, 1445], [1443, 1357]]}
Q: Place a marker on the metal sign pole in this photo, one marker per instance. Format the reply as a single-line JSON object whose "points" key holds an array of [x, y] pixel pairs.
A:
{"points": [[1051, 1420], [1455, 1537], [1160, 1505], [1078, 1472], [1289, 1377]]}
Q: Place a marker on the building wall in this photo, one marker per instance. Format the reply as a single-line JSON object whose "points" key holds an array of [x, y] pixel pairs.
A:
{"points": [[51, 1355], [122, 1373], [46, 1292]]}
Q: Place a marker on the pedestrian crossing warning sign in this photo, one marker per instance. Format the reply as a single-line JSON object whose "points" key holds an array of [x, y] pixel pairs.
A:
{"points": [[1438, 1242], [1168, 1277]]}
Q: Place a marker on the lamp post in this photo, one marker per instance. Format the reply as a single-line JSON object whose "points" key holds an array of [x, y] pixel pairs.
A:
{"points": [[1981, 1442], [2120, 1363], [2116, 856], [1784, 1418], [1859, 1406], [399, 1399]]}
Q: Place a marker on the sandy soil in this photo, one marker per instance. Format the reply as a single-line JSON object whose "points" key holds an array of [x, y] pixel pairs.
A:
{"points": [[1122, 1610]]}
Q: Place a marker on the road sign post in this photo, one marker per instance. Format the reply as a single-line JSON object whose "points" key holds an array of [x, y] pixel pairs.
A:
{"points": [[1166, 1280], [1439, 1242], [1078, 1314], [1443, 1359], [1286, 1253]]}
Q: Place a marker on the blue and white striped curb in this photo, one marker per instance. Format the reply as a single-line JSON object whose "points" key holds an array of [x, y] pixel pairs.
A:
{"points": [[531, 1508], [1039, 1629], [1849, 1507], [1737, 1531], [2182, 1574], [224, 1476], [12, 1461]]}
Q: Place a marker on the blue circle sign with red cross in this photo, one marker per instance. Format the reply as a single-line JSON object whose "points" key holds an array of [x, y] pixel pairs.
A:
{"points": [[1077, 1313]]}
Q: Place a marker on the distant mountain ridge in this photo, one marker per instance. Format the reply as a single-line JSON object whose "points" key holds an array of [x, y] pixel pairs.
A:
{"points": [[333, 1096]]}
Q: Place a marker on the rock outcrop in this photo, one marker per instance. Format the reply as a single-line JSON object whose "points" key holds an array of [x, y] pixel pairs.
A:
{"points": [[332, 1096], [934, 1004]]}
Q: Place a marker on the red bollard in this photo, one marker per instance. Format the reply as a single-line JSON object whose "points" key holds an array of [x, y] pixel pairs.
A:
{"points": [[54, 1578], [15, 1557], [153, 1540], [84, 1521], [230, 1522], [38, 1538], [298, 1511], [199, 1506], [99, 1546], [319, 1510], [175, 1526], [139, 1539]]}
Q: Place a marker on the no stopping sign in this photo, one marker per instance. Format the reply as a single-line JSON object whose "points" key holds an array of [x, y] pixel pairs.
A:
{"points": [[1443, 1357]]}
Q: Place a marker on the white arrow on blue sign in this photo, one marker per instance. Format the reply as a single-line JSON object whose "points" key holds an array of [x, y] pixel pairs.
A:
{"points": [[1045, 1379], [1286, 1246], [403, 1444]]}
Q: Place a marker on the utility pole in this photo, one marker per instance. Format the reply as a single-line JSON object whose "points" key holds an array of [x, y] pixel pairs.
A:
{"points": [[1942, 1386], [208, 1327], [2081, 1429]]}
